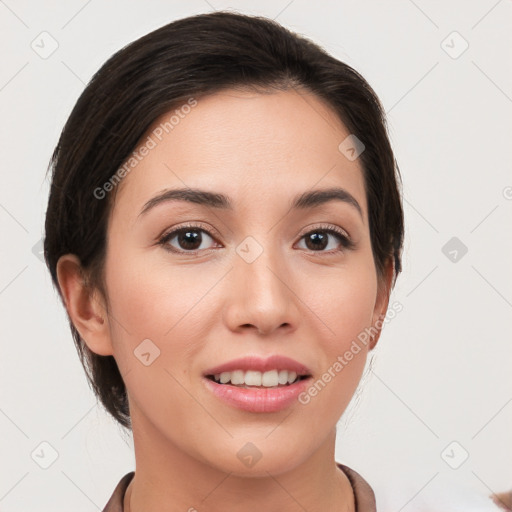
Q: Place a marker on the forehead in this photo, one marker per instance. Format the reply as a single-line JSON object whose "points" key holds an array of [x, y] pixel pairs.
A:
{"points": [[258, 148]]}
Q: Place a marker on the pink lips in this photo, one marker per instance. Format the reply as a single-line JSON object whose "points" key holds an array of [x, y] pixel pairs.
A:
{"points": [[258, 399]]}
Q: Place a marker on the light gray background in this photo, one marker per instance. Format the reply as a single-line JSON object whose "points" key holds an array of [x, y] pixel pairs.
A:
{"points": [[441, 371]]}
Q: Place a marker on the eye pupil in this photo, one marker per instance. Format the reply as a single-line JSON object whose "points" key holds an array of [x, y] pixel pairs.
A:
{"points": [[189, 237], [318, 238]]}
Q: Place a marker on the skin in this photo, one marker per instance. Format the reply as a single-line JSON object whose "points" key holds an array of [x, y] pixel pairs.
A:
{"points": [[206, 308]]}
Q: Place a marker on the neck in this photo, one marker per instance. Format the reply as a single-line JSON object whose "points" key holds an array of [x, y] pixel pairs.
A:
{"points": [[166, 477]]}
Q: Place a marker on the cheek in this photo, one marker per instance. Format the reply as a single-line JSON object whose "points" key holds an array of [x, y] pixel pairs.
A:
{"points": [[343, 302], [345, 310], [157, 324], [140, 297], [344, 354], [352, 313], [151, 300]]}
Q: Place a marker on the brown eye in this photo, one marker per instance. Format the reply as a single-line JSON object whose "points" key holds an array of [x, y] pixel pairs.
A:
{"points": [[319, 239], [186, 239]]}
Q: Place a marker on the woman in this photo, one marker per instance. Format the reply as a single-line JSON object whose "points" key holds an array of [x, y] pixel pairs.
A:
{"points": [[224, 228]]}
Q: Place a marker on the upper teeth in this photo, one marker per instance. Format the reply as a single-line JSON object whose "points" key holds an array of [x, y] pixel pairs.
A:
{"points": [[253, 378]]}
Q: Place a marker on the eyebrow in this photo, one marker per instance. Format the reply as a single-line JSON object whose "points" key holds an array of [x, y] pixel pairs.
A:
{"points": [[311, 199]]}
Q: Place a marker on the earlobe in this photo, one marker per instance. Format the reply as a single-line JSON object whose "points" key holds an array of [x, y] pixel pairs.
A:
{"points": [[381, 304], [85, 310]]}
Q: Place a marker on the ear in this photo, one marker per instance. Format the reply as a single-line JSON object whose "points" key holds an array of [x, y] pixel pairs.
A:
{"points": [[381, 303], [85, 307]]}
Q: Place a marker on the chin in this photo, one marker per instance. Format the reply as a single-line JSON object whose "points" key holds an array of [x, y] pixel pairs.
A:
{"points": [[257, 458]]}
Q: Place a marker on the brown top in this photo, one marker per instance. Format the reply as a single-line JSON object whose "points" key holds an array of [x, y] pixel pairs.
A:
{"points": [[364, 496]]}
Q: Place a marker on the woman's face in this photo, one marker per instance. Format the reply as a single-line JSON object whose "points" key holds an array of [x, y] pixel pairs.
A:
{"points": [[260, 278]]}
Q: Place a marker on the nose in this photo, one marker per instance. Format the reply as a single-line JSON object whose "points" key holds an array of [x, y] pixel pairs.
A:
{"points": [[260, 296]]}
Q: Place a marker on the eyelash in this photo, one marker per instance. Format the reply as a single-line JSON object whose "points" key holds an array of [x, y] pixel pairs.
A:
{"points": [[345, 241]]}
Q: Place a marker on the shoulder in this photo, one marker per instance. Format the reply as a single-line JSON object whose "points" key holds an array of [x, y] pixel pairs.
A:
{"points": [[364, 495], [115, 503]]}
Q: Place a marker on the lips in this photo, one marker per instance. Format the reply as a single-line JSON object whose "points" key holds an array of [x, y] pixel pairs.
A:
{"points": [[258, 399], [263, 398], [258, 364]]}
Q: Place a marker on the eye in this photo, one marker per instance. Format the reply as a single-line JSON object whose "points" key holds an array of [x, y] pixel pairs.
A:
{"points": [[318, 239], [188, 238]]}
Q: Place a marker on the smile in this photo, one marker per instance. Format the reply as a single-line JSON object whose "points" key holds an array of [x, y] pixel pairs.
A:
{"points": [[258, 399], [269, 379]]}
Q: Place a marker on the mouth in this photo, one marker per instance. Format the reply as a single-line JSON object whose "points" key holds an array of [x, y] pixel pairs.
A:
{"points": [[258, 385], [256, 392]]}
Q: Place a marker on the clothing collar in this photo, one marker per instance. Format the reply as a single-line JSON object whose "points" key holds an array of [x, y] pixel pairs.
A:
{"points": [[363, 493]]}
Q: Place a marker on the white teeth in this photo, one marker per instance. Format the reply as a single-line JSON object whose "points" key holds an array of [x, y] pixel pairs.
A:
{"points": [[237, 377], [252, 378], [225, 377], [268, 379], [283, 377]]}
